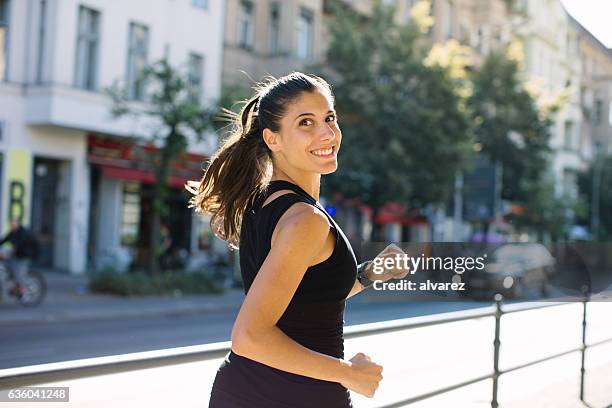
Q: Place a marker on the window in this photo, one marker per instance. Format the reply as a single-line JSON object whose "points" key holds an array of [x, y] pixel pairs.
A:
{"points": [[570, 180], [130, 214], [568, 135], [408, 4], [87, 48], [274, 40], [137, 60], [245, 25], [195, 68], [448, 21], [4, 38], [40, 52], [598, 111], [482, 39], [203, 4], [304, 34]]}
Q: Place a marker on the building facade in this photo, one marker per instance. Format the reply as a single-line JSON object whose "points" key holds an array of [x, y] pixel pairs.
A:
{"points": [[58, 58], [264, 37], [595, 90]]}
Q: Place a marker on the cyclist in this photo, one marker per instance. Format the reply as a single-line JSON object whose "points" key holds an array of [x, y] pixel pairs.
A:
{"points": [[25, 248]]}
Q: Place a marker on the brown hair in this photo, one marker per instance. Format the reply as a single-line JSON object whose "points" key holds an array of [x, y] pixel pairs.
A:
{"points": [[242, 166]]}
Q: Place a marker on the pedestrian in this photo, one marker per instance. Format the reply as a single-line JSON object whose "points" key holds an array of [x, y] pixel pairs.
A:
{"points": [[298, 268], [25, 248]]}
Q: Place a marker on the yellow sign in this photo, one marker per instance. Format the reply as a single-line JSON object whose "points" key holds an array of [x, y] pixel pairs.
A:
{"points": [[19, 186]]}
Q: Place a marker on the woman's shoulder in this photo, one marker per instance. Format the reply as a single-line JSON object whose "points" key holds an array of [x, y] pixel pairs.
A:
{"points": [[304, 221]]}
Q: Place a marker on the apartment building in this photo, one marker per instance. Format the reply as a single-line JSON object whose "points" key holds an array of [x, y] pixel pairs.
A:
{"points": [[595, 91], [70, 171], [263, 37]]}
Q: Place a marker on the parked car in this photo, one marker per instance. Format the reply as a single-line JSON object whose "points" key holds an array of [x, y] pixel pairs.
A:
{"points": [[512, 270]]}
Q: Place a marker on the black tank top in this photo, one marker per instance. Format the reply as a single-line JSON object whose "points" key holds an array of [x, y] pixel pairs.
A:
{"points": [[318, 303], [314, 317], [329, 280]]}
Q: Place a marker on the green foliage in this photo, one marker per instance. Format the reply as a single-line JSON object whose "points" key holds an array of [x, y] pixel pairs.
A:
{"points": [[509, 126], [544, 213], [404, 132], [182, 119], [139, 284], [514, 131]]}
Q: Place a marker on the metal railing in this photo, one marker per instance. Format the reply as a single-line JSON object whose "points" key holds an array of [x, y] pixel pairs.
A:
{"points": [[498, 312], [55, 372]]}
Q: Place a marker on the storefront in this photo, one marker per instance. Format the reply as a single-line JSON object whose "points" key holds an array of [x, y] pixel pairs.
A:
{"points": [[122, 196]]}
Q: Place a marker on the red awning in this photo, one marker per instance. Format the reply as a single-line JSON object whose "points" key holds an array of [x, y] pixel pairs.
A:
{"points": [[142, 176]]}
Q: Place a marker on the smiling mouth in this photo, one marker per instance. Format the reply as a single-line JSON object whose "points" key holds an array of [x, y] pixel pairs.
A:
{"points": [[327, 152]]}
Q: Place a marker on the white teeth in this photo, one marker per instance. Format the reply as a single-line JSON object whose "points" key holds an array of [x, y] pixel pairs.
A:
{"points": [[323, 152]]}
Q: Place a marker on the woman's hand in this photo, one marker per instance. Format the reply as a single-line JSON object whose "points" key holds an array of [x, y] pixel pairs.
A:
{"points": [[363, 375], [379, 270]]}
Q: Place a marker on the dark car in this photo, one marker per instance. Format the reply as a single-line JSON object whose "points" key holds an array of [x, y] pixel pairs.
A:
{"points": [[512, 270]]}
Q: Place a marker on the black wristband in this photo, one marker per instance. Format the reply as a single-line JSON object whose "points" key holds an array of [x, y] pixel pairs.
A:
{"points": [[361, 275]]}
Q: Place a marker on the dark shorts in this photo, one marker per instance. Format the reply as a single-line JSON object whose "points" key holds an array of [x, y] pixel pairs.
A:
{"points": [[244, 383]]}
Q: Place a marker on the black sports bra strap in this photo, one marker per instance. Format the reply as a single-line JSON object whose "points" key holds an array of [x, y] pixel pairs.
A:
{"points": [[277, 185]]}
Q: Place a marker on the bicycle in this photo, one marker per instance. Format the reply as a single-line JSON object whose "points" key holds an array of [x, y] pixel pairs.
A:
{"points": [[32, 291]]}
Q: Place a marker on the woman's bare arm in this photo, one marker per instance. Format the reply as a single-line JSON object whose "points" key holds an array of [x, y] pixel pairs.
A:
{"points": [[301, 234], [357, 287]]}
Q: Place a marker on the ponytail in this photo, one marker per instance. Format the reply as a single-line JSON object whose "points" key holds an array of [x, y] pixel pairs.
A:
{"points": [[241, 168], [236, 174]]}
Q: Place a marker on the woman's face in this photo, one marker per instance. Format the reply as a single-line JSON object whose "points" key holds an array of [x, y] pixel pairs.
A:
{"points": [[309, 137]]}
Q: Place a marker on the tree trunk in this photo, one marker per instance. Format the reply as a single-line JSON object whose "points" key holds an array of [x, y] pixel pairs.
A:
{"points": [[154, 239], [159, 201]]}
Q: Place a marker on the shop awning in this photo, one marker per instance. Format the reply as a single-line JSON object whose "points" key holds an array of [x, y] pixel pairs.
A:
{"points": [[141, 176]]}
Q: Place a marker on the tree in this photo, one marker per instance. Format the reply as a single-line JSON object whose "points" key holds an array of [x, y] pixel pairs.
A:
{"points": [[405, 132], [513, 129], [510, 128], [544, 213], [181, 119]]}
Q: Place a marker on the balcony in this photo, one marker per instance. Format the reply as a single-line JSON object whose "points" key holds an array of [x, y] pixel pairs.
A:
{"points": [[65, 106]]}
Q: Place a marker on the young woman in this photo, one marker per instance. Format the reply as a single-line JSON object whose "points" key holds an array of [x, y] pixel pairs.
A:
{"points": [[298, 268]]}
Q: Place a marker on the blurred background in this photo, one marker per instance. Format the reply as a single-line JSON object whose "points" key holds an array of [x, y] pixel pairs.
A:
{"points": [[463, 120], [469, 127], [484, 123]]}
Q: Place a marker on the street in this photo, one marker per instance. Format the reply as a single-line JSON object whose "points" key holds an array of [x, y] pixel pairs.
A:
{"points": [[38, 343], [416, 362]]}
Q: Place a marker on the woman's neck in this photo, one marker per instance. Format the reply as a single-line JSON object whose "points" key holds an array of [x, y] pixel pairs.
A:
{"points": [[311, 183]]}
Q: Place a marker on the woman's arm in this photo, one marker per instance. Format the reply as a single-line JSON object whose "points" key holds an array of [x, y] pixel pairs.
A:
{"points": [[357, 286], [301, 234]]}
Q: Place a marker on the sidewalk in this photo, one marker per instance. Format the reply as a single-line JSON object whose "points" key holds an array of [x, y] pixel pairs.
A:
{"points": [[68, 299]]}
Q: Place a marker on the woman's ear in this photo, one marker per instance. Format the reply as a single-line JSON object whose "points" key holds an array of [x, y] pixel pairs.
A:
{"points": [[272, 139]]}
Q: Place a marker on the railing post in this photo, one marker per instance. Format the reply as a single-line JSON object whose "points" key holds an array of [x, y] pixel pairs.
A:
{"points": [[496, 344], [585, 299]]}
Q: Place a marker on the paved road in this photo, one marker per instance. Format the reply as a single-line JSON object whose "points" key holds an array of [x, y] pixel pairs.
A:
{"points": [[38, 343]]}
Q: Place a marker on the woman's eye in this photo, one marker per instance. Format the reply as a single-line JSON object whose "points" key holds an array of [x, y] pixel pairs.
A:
{"points": [[331, 118], [305, 122]]}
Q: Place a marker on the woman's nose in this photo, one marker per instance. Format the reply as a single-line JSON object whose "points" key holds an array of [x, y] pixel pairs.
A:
{"points": [[327, 133]]}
